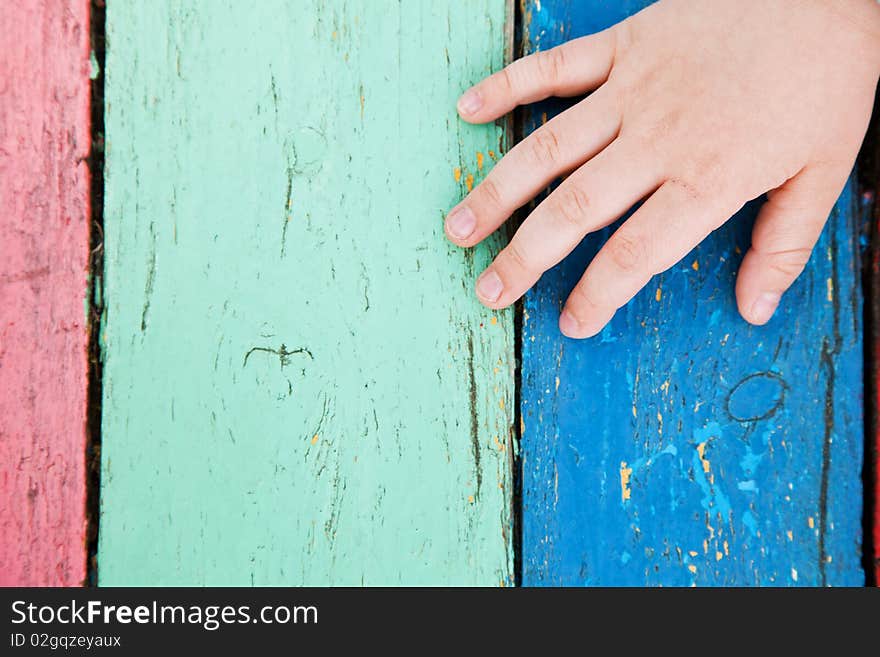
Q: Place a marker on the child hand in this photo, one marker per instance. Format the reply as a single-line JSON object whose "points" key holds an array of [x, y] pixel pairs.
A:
{"points": [[698, 106]]}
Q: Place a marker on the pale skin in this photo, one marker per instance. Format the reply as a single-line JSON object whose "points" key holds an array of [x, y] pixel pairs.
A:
{"points": [[696, 108]]}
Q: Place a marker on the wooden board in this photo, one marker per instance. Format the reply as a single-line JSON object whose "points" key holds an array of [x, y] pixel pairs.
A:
{"points": [[300, 387], [683, 446], [872, 465], [44, 250]]}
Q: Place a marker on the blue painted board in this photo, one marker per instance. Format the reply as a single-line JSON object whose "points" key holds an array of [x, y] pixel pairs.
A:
{"points": [[683, 446]]}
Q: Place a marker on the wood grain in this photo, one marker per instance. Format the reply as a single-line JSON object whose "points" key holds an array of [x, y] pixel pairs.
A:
{"points": [[44, 248], [683, 446], [299, 386]]}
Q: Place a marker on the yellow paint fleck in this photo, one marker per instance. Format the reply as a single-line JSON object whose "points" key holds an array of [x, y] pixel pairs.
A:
{"points": [[625, 474], [557, 384], [522, 426], [790, 535], [706, 545], [726, 548], [701, 452], [543, 117], [498, 444], [469, 181], [737, 250], [696, 265], [333, 36], [665, 387], [494, 320], [693, 553], [492, 154], [718, 555], [811, 522], [456, 173], [470, 499], [830, 284], [501, 404], [692, 568], [635, 412], [314, 439], [658, 294], [479, 161]]}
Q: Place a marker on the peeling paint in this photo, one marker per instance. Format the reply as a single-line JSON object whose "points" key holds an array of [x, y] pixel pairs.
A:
{"points": [[625, 474]]}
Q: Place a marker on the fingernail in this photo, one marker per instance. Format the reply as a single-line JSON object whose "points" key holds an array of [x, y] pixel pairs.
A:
{"points": [[469, 102], [764, 307], [569, 325], [489, 286], [461, 222]]}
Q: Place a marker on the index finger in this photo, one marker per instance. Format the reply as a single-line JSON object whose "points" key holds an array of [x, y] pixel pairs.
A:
{"points": [[573, 68]]}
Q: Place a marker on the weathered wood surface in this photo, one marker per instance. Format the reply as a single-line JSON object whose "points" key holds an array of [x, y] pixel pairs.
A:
{"points": [[44, 248], [872, 465], [300, 387], [683, 446]]}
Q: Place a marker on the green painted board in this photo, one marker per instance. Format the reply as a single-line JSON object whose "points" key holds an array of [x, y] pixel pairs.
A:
{"points": [[299, 385]]}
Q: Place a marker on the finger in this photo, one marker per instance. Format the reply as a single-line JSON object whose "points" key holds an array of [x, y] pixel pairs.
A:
{"points": [[591, 198], [573, 68], [785, 232], [660, 233], [561, 145]]}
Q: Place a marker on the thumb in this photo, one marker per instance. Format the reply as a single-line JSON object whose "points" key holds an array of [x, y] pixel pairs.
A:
{"points": [[785, 232]]}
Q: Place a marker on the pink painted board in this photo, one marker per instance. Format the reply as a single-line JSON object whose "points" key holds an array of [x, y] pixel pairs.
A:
{"points": [[44, 253]]}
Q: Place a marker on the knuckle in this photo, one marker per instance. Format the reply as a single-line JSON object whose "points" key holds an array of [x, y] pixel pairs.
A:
{"points": [[550, 63], [518, 256], [686, 189], [572, 205], [790, 263], [516, 76], [585, 303], [710, 168], [506, 79], [789, 269], [626, 252], [491, 193], [544, 147]]}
